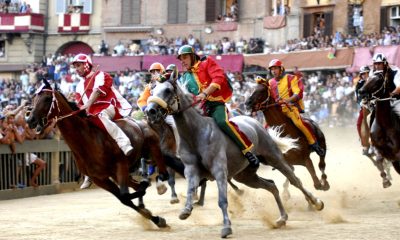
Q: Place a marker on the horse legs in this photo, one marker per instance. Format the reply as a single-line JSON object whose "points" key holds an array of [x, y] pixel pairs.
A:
{"points": [[221, 179], [193, 180], [379, 164], [250, 178], [324, 177], [111, 187], [286, 170], [171, 183], [203, 185], [310, 168]]}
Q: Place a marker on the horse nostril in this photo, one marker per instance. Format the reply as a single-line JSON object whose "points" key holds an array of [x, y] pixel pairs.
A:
{"points": [[151, 112]]}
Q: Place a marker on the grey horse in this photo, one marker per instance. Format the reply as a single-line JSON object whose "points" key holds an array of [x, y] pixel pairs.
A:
{"points": [[208, 153]]}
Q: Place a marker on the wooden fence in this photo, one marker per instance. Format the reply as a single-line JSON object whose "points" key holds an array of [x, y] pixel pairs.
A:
{"points": [[60, 173]]}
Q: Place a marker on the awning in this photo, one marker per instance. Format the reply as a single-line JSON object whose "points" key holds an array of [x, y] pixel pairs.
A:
{"points": [[233, 63], [363, 56], [305, 60], [163, 59], [115, 64]]}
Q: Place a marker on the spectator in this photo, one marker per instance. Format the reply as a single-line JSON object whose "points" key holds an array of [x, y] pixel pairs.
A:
{"points": [[103, 48]]}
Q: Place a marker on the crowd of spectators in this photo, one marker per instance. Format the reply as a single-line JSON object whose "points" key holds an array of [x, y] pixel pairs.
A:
{"points": [[14, 6], [168, 46], [329, 95]]}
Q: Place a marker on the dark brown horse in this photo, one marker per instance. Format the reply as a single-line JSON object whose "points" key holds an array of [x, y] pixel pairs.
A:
{"points": [[261, 100], [385, 123], [96, 153]]}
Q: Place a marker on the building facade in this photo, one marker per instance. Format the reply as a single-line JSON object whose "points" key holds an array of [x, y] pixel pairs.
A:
{"points": [[71, 26]]}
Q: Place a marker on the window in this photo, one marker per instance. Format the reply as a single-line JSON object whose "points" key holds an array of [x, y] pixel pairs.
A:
{"points": [[2, 48], [394, 15], [222, 10], [395, 12], [177, 11], [69, 6], [130, 12]]}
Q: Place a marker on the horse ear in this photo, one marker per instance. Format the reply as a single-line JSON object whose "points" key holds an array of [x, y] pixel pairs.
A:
{"points": [[46, 83], [55, 85]]}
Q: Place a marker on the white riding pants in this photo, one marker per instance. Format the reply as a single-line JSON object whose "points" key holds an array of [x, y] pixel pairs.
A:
{"points": [[112, 128]]}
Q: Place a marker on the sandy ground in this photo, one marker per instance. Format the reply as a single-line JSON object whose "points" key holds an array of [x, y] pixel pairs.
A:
{"points": [[356, 207]]}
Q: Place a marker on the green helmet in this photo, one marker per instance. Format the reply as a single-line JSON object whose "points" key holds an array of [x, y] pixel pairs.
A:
{"points": [[173, 69], [186, 49]]}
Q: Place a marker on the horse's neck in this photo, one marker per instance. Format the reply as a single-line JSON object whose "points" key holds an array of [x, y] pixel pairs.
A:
{"points": [[383, 113], [67, 123], [273, 115]]}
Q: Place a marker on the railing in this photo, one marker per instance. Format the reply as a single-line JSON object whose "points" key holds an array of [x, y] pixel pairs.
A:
{"points": [[15, 172], [21, 22]]}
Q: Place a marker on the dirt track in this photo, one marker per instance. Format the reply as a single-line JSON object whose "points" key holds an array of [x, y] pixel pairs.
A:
{"points": [[356, 207]]}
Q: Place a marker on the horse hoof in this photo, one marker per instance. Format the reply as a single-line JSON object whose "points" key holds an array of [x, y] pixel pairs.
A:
{"points": [[386, 184], [319, 205], [174, 200], [199, 203], [162, 223], [185, 214], [280, 223], [225, 232], [161, 188]]}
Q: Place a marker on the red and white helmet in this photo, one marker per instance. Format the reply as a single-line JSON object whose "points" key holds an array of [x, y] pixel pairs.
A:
{"points": [[275, 63], [86, 60]]}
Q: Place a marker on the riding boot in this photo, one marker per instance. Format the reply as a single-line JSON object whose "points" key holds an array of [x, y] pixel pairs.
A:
{"points": [[319, 150], [253, 160]]}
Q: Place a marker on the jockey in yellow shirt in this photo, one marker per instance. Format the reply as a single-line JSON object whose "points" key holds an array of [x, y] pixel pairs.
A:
{"points": [[287, 90]]}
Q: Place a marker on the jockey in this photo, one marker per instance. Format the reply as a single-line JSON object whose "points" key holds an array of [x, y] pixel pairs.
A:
{"points": [[286, 90], [156, 70], [205, 79], [172, 69], [97, 96], [391, 73], [364, 73]]}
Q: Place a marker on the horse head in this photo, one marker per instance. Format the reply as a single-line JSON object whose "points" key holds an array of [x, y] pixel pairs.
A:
{"points": [[163, 101], [259, 97], [46, 107], [374, 87]]}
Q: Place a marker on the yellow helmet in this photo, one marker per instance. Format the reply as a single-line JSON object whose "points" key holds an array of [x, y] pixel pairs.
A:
{"points": [[157, 66]]}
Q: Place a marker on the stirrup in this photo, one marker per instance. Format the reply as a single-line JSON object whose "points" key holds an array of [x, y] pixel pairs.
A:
{"points": [[253, 160]]}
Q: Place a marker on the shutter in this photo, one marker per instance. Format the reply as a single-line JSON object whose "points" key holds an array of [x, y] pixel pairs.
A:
{"points": [[384, 18], [172, 11], [182, 11], [61, 6], [211, 15], [136, 12], [87, 6], [125, 12], [307, 25], [328, 16]]}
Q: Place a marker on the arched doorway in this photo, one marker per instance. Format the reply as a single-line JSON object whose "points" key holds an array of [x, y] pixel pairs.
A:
{"points": [[74, 48]]}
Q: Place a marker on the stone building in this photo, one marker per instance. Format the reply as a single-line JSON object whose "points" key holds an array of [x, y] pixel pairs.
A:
{"points": [[71, 26]]}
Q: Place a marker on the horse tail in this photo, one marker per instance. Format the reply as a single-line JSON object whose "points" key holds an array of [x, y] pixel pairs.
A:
{"points": [[284, 143]]}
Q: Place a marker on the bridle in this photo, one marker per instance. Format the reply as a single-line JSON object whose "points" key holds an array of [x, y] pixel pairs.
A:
{"points": [[175, 107], [264, 104], [54, 106]]}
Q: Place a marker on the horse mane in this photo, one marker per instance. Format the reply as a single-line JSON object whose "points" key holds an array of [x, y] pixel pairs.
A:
{"points": [[189, 97], [395, 115], [73, 105]]}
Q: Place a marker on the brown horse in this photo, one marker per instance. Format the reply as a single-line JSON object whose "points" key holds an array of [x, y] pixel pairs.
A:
{"points": [[96, 153], [261, 100], [385, 123]]}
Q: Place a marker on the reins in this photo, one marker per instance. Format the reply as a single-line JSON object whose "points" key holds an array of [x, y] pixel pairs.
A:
{"points": [[55, 104]]}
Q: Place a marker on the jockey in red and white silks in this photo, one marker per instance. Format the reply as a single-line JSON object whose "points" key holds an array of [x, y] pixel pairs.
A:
{"points": [[96, 94]]}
